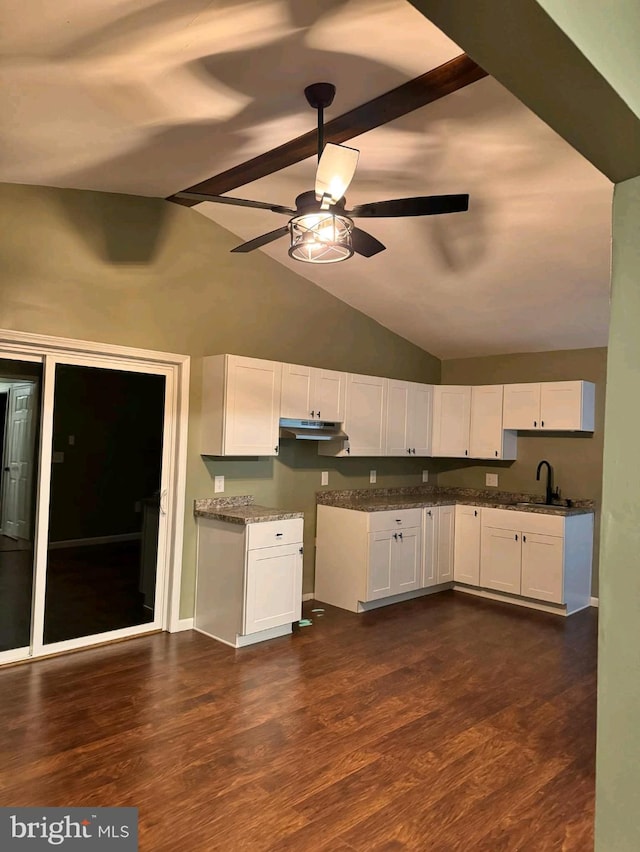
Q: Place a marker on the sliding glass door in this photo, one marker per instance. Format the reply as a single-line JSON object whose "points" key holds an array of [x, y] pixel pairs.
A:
{"points": [[88, 455]]}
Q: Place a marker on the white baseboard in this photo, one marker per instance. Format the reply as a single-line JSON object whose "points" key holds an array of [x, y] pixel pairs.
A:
{"points": [[182, 624], [595, 602], [309, 596], [100, 539]]}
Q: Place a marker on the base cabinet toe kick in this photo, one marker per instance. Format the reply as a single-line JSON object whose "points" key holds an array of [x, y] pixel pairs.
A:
{"points": [[370, 559]]}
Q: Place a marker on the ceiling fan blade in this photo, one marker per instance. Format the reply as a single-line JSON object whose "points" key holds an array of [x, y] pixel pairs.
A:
{"points": [[364, 244], [427, 205], [238, 202], [262, 240], [335, 172]]}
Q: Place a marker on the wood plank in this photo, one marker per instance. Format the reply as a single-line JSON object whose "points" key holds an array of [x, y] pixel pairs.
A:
{"points": [[445, 722], [435, 84]]}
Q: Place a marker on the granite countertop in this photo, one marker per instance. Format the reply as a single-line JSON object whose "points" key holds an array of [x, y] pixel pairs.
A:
{"points": [[239, 510], [381, 499]]}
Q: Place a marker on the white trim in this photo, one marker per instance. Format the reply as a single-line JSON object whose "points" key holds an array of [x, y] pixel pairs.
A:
{"points": [[595, 602], [14, 655], [181, 624], [171, 615], [99, 539], [25, 342], [309, 596], [82, 642]]}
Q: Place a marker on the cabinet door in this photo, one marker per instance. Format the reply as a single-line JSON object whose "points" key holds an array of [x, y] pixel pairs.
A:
{"points": [[445, 544], [252, 406], [380, 571], [296, 400], [521, 406], [398, 418], [542, 567], [466, 558], [485, 441], [407, 561], [430, 547], [364, 418], [500, 556], [273, 589], [451, 420], [561, 405], [420, 418], [329, 390]]}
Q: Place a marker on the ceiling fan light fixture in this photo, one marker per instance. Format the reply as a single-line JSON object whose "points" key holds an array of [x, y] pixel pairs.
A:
{"points": [[320, 237]]}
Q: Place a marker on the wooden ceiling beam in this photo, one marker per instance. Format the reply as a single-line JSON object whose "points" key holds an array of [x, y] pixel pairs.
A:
{"points": [[416, 93]]}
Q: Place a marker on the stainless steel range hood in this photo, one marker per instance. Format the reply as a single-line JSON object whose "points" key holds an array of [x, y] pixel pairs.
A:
{"points": [[311, 430]]}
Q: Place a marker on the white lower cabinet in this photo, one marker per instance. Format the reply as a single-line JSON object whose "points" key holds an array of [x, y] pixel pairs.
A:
{"points": [[363, 557], [542, 557], [466, 557], [437, 537], [249, 580]]}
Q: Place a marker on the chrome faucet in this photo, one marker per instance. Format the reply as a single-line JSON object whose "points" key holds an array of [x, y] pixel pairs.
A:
{"points": [[549, 494]]}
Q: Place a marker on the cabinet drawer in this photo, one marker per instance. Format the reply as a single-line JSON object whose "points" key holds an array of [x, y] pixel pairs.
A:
{"points": [[272, 533], [392, 520], [533, 522]]}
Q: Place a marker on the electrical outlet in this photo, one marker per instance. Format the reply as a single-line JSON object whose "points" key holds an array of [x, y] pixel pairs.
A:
{"points": [[425, 475], [218, 484], [72, 440], [492, 479], [372, 476], [324, 477]]}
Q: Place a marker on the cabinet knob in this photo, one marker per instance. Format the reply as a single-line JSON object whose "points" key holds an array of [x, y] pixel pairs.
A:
{"points": [[429, 513], [466, 452], [348, 449], [516, 536], [276, 449], [524, 538], [313, 414], [535, 423], [318, 412], [414, 451], [400, 536], [395, 535], [542, 422], [409, 450], [496, 454], [302, 550], [475, 513]]}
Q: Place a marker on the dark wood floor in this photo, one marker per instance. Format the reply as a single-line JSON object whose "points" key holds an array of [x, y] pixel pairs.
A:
{"points": [[445, 723]]}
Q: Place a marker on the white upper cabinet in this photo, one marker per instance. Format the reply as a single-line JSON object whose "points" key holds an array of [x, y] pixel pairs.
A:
{"points": [[553, 406], [364, 419], [451, 420], [311, 393], [408, 421], [488, 439], [240, 406]]}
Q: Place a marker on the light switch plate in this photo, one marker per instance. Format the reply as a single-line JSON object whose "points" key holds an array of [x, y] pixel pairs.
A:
{"points": [[218, 484], [372, 476], [324, 477], [492, 479], [425, 475]]}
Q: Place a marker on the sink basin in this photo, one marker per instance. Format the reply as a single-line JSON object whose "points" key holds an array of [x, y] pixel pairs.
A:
{"points": [[534, 503]]}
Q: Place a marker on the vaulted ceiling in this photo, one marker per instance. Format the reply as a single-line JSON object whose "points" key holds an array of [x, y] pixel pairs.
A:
{"points": [[149, 98]]}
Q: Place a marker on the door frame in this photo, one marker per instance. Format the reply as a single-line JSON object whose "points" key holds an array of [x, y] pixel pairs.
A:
{"points": [[16, 345]]}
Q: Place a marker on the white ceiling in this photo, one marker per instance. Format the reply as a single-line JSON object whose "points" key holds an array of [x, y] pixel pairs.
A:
{"points": [[150, 97]]}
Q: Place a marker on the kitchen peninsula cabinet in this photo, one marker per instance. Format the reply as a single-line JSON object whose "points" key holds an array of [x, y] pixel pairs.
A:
{"points": [[240, 406], [249, 577]]}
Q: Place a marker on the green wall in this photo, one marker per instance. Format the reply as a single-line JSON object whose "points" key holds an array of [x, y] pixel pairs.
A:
{"points": [[576, 458], [618, 757], [145, 273]]}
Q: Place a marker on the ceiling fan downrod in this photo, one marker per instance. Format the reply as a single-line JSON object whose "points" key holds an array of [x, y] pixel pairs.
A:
{"points": [[320, 96]]}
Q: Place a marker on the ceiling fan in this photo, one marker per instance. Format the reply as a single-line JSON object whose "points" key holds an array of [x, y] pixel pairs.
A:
{"points": [[320, 228]]}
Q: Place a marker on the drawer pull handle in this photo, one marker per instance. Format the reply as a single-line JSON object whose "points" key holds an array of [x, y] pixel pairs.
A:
{"points": [[516, 536], [302, 550], [279, 535], [395, 535], [475, 513], [524, 538], [400, 536]]}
